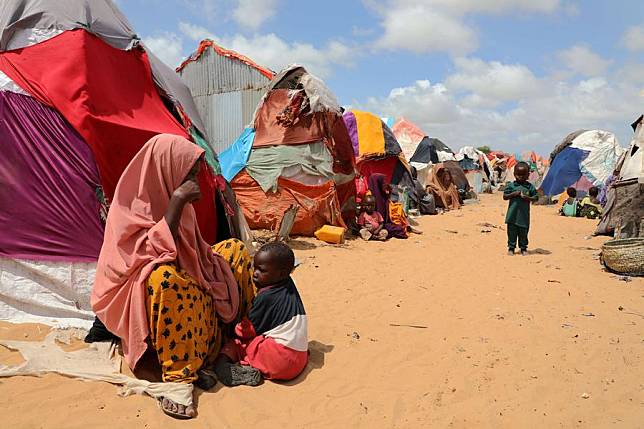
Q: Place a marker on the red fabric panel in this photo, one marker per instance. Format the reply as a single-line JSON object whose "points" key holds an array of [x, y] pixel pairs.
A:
{"points": [[306, 129], [318, 204], [107, 95], [384, 166]]}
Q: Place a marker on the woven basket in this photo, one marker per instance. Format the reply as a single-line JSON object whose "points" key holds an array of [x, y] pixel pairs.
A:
{"points": [[624, 256]]}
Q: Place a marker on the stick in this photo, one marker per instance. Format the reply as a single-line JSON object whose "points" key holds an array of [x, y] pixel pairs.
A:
{"points": [[409, 326]]}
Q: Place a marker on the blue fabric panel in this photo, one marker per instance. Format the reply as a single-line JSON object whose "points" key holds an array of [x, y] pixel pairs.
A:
{"points": [[564, 171], [234, 159]]}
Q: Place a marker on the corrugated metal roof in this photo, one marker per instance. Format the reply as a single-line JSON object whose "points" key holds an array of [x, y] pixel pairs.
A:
{"points": [[226, 92], [214, 74]]}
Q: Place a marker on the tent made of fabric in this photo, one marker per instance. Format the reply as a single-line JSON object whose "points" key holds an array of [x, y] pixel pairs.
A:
{"points": [[431, 150], [79, 96], [298, 152], [584, 157], [376, 149], [624, 208]]}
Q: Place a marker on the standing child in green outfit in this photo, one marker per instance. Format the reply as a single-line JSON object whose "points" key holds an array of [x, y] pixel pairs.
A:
{"points": [[520, 193]]}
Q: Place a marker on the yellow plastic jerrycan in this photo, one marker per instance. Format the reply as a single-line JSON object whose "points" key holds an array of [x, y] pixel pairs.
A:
{"points": [[330, 234]]}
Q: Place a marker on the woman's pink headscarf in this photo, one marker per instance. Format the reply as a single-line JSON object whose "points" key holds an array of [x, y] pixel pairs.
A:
{"points": [[137, 238]]}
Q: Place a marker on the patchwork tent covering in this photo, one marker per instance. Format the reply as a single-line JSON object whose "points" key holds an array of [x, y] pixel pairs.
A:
{"points": [[431, 150], [79, 96], [298, 152], [477, 168], [624, 209], [375, 148], [582, 160]]}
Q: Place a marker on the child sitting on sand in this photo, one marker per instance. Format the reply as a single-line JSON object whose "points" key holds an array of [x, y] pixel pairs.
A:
{"points": [[520, 193], [569, 206], [589, 207], [371, 223], [272, 342]]}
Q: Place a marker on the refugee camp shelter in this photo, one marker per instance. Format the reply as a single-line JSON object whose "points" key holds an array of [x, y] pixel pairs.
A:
{"points": [[298, 152], [67, 134], [227, 87], [477, 168], [431, 150], [582, 160], [416, 144], [376, 149], [624, 209]]}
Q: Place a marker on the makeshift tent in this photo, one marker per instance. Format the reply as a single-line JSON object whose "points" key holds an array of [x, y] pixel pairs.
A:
{"points": [[227, 88], [416, 144], [477, 168], [297, 153], [80, 96], [582, 160], [624, 209], [376, 149]]}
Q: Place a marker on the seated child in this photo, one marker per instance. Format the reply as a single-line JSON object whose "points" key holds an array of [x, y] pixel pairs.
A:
{"points": [[569, 206], [272, 342], [590, 206], [371, 223]]}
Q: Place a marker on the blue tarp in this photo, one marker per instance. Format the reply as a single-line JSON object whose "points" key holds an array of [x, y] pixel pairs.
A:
{"points": [[234, 159], [565, 171]]}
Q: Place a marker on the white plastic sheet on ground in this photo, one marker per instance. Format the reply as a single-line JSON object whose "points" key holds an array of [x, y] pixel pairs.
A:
{"points": [[52, 293], [97, 362]]}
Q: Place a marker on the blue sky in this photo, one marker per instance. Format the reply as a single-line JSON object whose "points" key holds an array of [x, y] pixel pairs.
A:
{"points": [[514, 74]]}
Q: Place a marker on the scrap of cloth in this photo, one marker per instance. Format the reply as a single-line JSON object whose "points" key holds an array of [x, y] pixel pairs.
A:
{"points": [[97, 362], [137, 239], [48, 186], [109, 97]]}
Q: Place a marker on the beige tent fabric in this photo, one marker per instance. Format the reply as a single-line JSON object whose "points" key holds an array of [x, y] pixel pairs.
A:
{"points": [[97, 362]]}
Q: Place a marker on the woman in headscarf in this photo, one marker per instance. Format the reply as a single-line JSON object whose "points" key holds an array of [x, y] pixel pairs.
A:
{"points": [[158, 284], [381, 190], [443, 188]]}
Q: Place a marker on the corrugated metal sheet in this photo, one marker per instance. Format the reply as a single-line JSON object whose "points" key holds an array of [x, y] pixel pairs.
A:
{"points": [[226, 92]]}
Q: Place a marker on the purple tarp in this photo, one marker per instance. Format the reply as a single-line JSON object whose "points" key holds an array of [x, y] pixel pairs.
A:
{"points": [[352, 127], [48, 181]]}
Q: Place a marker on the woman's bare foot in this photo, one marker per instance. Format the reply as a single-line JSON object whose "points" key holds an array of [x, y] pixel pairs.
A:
{"points": [[178, 411]]}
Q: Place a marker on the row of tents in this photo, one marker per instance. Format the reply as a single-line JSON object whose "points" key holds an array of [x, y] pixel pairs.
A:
{"points": [[80, 94]]}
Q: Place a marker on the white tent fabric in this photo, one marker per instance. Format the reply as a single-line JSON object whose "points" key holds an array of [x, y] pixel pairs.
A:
{"points": [[52, 293], [604, 151], [633, 160]]}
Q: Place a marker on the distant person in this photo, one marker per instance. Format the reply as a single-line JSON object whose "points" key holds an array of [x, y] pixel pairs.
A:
{"points": [[520, 194], [273, 338], [570, 203], [419, 198], [371, 223], [590, 207], [381, 191], [441, 185]]}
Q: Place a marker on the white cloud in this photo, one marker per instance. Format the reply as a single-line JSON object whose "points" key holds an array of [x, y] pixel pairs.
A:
{"points": [[492, 81], [272, 51], [253, 13], [167, 46], [581, 59], [466, 110], [423, 26], [633, 38]]}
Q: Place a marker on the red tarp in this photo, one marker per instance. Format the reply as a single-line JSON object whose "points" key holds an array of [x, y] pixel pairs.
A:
{"points": [[107, 95]]}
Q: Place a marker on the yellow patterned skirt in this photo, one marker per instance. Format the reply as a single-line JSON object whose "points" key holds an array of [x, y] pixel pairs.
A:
{"points": [[184, 329]]}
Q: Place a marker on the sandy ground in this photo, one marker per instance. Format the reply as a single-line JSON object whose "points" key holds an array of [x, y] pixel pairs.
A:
{"points": [[498, 341]]}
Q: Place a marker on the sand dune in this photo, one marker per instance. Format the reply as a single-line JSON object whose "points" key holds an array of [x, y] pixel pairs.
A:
{"points": [[441, 330]]}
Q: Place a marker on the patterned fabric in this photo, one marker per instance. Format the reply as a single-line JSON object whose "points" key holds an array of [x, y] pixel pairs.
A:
{"points": [[184, 329]]}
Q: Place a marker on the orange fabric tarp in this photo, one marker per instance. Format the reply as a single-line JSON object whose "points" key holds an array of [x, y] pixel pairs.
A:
{"points": [[319, 205], [307, 128]]}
